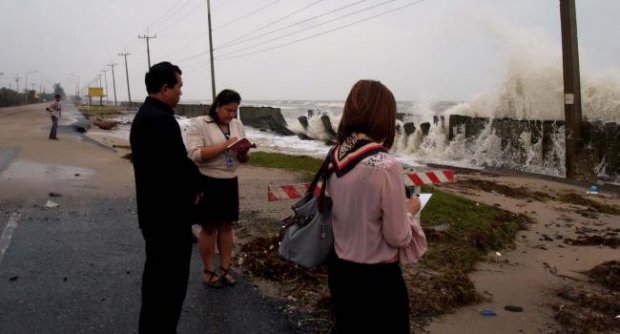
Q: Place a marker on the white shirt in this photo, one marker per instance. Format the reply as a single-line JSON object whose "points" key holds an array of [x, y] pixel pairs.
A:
{"points": [[203, 131], [55, 107]]}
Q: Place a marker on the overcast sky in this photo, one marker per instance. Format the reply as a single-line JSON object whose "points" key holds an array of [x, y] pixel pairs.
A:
{"points": [[300, 49]]}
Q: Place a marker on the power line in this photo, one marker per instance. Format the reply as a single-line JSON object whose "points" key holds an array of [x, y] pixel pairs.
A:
{"points": [[249, 33], [169, 13], [292, 24], [187, 13], [310, 28], [272, 23], [273, 31], [323, 33], [186, 45], [247, 15]]}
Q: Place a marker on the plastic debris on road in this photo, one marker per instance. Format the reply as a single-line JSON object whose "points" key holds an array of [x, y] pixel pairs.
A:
{"points": [[51, 204], [593, 190], [487, 312]]}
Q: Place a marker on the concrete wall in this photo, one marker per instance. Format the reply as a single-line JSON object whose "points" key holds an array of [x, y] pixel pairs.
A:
{"points": [[601, 141]]}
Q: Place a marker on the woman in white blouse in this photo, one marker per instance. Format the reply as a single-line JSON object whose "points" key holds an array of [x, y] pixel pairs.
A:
{"points": [[208, 138]]}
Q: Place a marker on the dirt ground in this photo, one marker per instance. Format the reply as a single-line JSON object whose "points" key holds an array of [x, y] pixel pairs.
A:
{"points": [[544, 276]]}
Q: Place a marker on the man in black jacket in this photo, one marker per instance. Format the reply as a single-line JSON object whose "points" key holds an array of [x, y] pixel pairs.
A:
{"points": [[168, 184]]}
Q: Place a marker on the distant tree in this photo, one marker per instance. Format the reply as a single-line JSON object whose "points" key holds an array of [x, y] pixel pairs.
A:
{"points": [[9, 97], [59, 90]]}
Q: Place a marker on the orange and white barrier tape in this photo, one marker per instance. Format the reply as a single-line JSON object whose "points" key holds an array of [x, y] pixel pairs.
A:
{"points": [[429, 177], [295, 191]]}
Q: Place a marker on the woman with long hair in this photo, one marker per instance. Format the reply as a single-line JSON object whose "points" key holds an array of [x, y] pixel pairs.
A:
{"points": [[373, 221]]}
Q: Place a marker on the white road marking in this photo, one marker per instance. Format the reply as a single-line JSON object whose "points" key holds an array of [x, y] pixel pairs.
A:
{"points": [[7, 234]]}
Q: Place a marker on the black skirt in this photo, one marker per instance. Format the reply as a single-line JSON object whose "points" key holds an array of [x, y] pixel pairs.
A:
{"points": [[368, 298], [220, 202]]}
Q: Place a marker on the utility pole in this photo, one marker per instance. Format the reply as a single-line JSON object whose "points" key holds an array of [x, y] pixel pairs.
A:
{"points": [[105, 77], [125, 54], [148, 50], [572, 87], [113, 81], [211, 51], [17, 83], [26, 93]]}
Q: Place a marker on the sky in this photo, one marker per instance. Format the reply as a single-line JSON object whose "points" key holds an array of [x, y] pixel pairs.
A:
{"points": [[299, 49]]}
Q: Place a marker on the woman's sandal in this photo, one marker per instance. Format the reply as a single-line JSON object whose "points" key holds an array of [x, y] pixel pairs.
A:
{"points": [[209, 282], [227, 277]]}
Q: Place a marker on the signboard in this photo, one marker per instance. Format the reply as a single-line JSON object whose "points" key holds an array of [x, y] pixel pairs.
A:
{"points": [[95, 91]]}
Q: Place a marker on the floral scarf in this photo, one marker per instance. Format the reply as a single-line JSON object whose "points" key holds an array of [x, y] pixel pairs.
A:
{"points": [[353, 150]]}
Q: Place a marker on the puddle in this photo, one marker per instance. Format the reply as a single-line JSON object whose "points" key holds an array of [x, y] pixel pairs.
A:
{"points": [[7, 155], [38, 171]]}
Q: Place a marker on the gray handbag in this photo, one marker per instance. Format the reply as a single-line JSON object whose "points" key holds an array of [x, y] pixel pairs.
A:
{"points": [[308, 238]]}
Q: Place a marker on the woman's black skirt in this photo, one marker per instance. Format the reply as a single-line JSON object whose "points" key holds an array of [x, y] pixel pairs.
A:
{"points": [[220, 202], [368, 298]]}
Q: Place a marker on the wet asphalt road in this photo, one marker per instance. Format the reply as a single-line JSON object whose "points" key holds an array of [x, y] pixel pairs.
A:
{"points": [[77, 268]]}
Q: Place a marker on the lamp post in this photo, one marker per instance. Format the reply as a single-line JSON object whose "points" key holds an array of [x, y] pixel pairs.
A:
{"points": [[77, 89], [26, 77]]}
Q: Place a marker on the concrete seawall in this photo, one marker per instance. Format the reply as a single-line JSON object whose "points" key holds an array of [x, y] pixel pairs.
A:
{"points": [[264, 118], [600, 146]]}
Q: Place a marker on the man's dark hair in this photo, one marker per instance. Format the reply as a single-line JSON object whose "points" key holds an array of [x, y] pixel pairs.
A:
{"points": [[223, 98], [161, 74], [57, 96]]}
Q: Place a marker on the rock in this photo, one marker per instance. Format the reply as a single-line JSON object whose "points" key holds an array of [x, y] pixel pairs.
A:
{"points": [[104, 124], [513, 308]]}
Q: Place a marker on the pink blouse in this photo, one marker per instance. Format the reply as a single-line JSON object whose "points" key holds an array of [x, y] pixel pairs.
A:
{"points": [[369, 215]]}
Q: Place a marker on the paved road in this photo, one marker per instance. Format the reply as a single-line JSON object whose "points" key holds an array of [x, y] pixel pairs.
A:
{"points": [[76, 268]]}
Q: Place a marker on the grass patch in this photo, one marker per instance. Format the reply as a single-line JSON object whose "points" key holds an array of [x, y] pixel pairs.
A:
{"points": [[440, 283], [306, 165]]}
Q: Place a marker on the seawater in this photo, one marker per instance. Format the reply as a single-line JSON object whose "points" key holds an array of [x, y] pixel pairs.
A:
{"points": [[526, 93]]}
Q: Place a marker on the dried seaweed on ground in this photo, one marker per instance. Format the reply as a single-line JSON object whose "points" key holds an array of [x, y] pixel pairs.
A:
{"points": [[607, 274], [489, 186], [305, 289], [572, 198], [433, 294], [594, 240], [586, 310]]}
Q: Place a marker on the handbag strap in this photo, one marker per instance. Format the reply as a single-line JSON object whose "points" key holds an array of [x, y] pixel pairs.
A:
{"points": [[322, 172]]}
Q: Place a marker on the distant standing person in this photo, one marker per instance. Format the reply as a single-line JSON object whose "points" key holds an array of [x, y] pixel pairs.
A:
{"points": [[207, 140], [54, 110], [168, 185]]}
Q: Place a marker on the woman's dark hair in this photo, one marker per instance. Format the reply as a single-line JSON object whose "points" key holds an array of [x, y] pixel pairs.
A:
{"points": [[223, 98], [161, 74], [370, 109]]}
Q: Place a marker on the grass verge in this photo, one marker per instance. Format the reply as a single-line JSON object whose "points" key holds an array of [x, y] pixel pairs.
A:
{"points": [[306, 165]]}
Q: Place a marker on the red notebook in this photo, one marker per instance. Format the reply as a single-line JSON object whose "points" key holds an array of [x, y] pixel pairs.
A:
{"points": [[241, 144]]}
